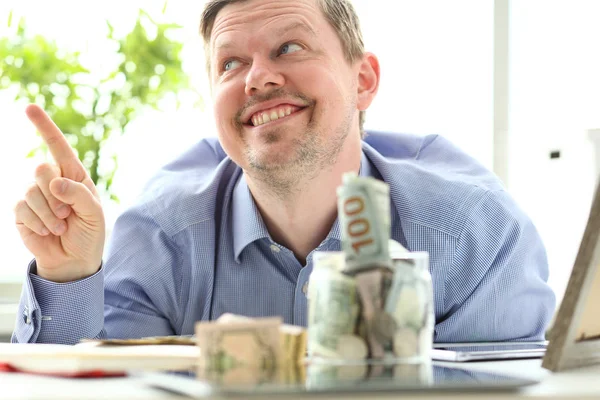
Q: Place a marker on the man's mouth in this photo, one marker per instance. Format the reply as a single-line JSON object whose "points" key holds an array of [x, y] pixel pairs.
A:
{"points": [[273, 114]]}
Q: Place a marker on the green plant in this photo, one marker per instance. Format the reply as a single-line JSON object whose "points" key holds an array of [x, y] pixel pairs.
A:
{"points": [[90, 107]]}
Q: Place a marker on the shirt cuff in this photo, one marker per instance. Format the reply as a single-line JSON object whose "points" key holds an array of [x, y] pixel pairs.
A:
{"points": [[65, 313]]}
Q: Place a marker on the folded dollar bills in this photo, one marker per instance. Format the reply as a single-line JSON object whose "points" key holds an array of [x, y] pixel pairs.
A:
{"points": [[238, 342]]}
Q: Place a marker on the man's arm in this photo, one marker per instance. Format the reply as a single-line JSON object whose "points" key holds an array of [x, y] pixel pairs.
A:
{"points": [[133, 295], [496, 288]]}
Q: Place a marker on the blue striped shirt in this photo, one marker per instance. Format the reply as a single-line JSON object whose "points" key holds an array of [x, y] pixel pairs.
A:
{"points": [[195, 246]]}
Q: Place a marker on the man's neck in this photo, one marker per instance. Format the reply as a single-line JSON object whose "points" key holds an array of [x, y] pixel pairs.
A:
{"points": [[302, 220]]}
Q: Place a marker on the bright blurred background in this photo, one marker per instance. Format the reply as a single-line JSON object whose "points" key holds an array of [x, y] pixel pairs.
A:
{"points": [[438, 76]]}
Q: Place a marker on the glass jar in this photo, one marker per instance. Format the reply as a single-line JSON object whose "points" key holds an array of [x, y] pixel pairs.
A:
{"points": [[410, 303]]}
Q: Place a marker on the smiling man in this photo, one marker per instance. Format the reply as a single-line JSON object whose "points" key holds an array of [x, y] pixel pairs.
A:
{"points": [[232, 225]]}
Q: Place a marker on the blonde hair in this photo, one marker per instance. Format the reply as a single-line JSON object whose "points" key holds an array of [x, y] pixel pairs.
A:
{"points": [[340, 14]]}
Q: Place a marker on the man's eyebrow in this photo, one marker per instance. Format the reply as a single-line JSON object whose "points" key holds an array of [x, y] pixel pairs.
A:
{"points": [[280, 32], [295, 25]]}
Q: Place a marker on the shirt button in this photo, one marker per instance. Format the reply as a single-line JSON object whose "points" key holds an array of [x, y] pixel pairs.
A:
{"points": [[305, 288], [275, 248]]}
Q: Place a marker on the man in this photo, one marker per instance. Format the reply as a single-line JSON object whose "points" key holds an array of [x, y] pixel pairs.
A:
{"points": [[232, 225]]}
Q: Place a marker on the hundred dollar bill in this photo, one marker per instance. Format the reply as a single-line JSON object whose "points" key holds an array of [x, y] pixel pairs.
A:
{"points": [[241, 345], [364, 215], [333, 310]]}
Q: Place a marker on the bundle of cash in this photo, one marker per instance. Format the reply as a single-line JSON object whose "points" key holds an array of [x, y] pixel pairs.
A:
{"points": [[242, 348], [238, 349], [293, 338], [357, 301]]}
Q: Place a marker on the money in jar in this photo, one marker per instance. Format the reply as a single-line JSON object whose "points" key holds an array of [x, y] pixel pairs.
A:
{"points": [[333, 307], [410, 303]]}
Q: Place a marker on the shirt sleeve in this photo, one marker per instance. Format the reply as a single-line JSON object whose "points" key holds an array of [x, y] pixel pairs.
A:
{"points": [[135, 294], [143, 278], [64, 313], [496, 288]]}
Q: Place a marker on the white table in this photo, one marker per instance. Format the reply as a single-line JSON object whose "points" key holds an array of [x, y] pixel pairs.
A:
{"points": [[575, 384]]}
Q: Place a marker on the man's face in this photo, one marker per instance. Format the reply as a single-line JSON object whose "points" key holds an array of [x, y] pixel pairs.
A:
{"points": [[285, 95]]}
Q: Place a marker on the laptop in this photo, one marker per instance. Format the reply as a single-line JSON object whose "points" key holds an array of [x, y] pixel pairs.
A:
{"points": [[465, 352]]}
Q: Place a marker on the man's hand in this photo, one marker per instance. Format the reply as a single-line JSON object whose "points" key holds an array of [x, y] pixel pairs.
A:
{"points": [[60, 218]]}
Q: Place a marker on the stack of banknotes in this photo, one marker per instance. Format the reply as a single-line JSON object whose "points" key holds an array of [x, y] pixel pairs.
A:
{"points": [[242, 350], [362, 303]]}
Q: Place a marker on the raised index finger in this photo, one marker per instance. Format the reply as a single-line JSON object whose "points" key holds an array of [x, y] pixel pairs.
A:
{"points": [[60, 149]]}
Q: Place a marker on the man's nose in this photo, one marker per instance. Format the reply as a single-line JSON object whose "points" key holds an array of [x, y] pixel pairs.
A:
{"points": [[263, 76]]}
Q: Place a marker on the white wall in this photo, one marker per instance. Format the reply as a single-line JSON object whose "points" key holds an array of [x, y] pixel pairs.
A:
{"points": [[436, 69], [554, 100]]}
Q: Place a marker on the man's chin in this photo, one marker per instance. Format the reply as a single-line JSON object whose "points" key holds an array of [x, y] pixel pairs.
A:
{"points": [[272, 156], [271, 162]]}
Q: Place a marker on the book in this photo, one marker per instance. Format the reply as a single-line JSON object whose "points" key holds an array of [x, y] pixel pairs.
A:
{"points": [[57, 359]]}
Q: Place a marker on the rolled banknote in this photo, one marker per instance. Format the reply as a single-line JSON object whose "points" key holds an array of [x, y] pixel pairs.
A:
{"points": [[379, 326], [364, 216], [333, 310]]}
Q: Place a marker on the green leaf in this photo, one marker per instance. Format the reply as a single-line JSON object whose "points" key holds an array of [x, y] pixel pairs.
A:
{"points": [[111, 29], [10, 16], [145, 14], [90, 110]]}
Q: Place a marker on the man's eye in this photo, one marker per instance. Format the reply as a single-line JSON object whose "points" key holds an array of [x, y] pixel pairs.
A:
{"points": [[230, 64], [290, 48]]}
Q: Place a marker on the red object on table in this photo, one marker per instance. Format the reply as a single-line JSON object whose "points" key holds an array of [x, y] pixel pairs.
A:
{"points": [[87, 374]]}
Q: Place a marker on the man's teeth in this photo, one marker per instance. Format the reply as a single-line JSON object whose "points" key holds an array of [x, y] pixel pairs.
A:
{"points": [[262, 118]]}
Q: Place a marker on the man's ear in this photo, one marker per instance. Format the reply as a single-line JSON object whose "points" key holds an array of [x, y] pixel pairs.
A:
{"points": [[368, 80]]}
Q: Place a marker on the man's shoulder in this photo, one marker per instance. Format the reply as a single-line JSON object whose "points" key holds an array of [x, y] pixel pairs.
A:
{"points": [[189, 189], [433, 183]]}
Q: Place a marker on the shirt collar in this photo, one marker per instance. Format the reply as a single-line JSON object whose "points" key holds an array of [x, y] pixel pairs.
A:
{"points": [[248, 225]]}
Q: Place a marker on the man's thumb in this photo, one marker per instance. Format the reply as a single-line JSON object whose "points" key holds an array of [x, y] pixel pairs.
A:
{"points": [[77, 195]]}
